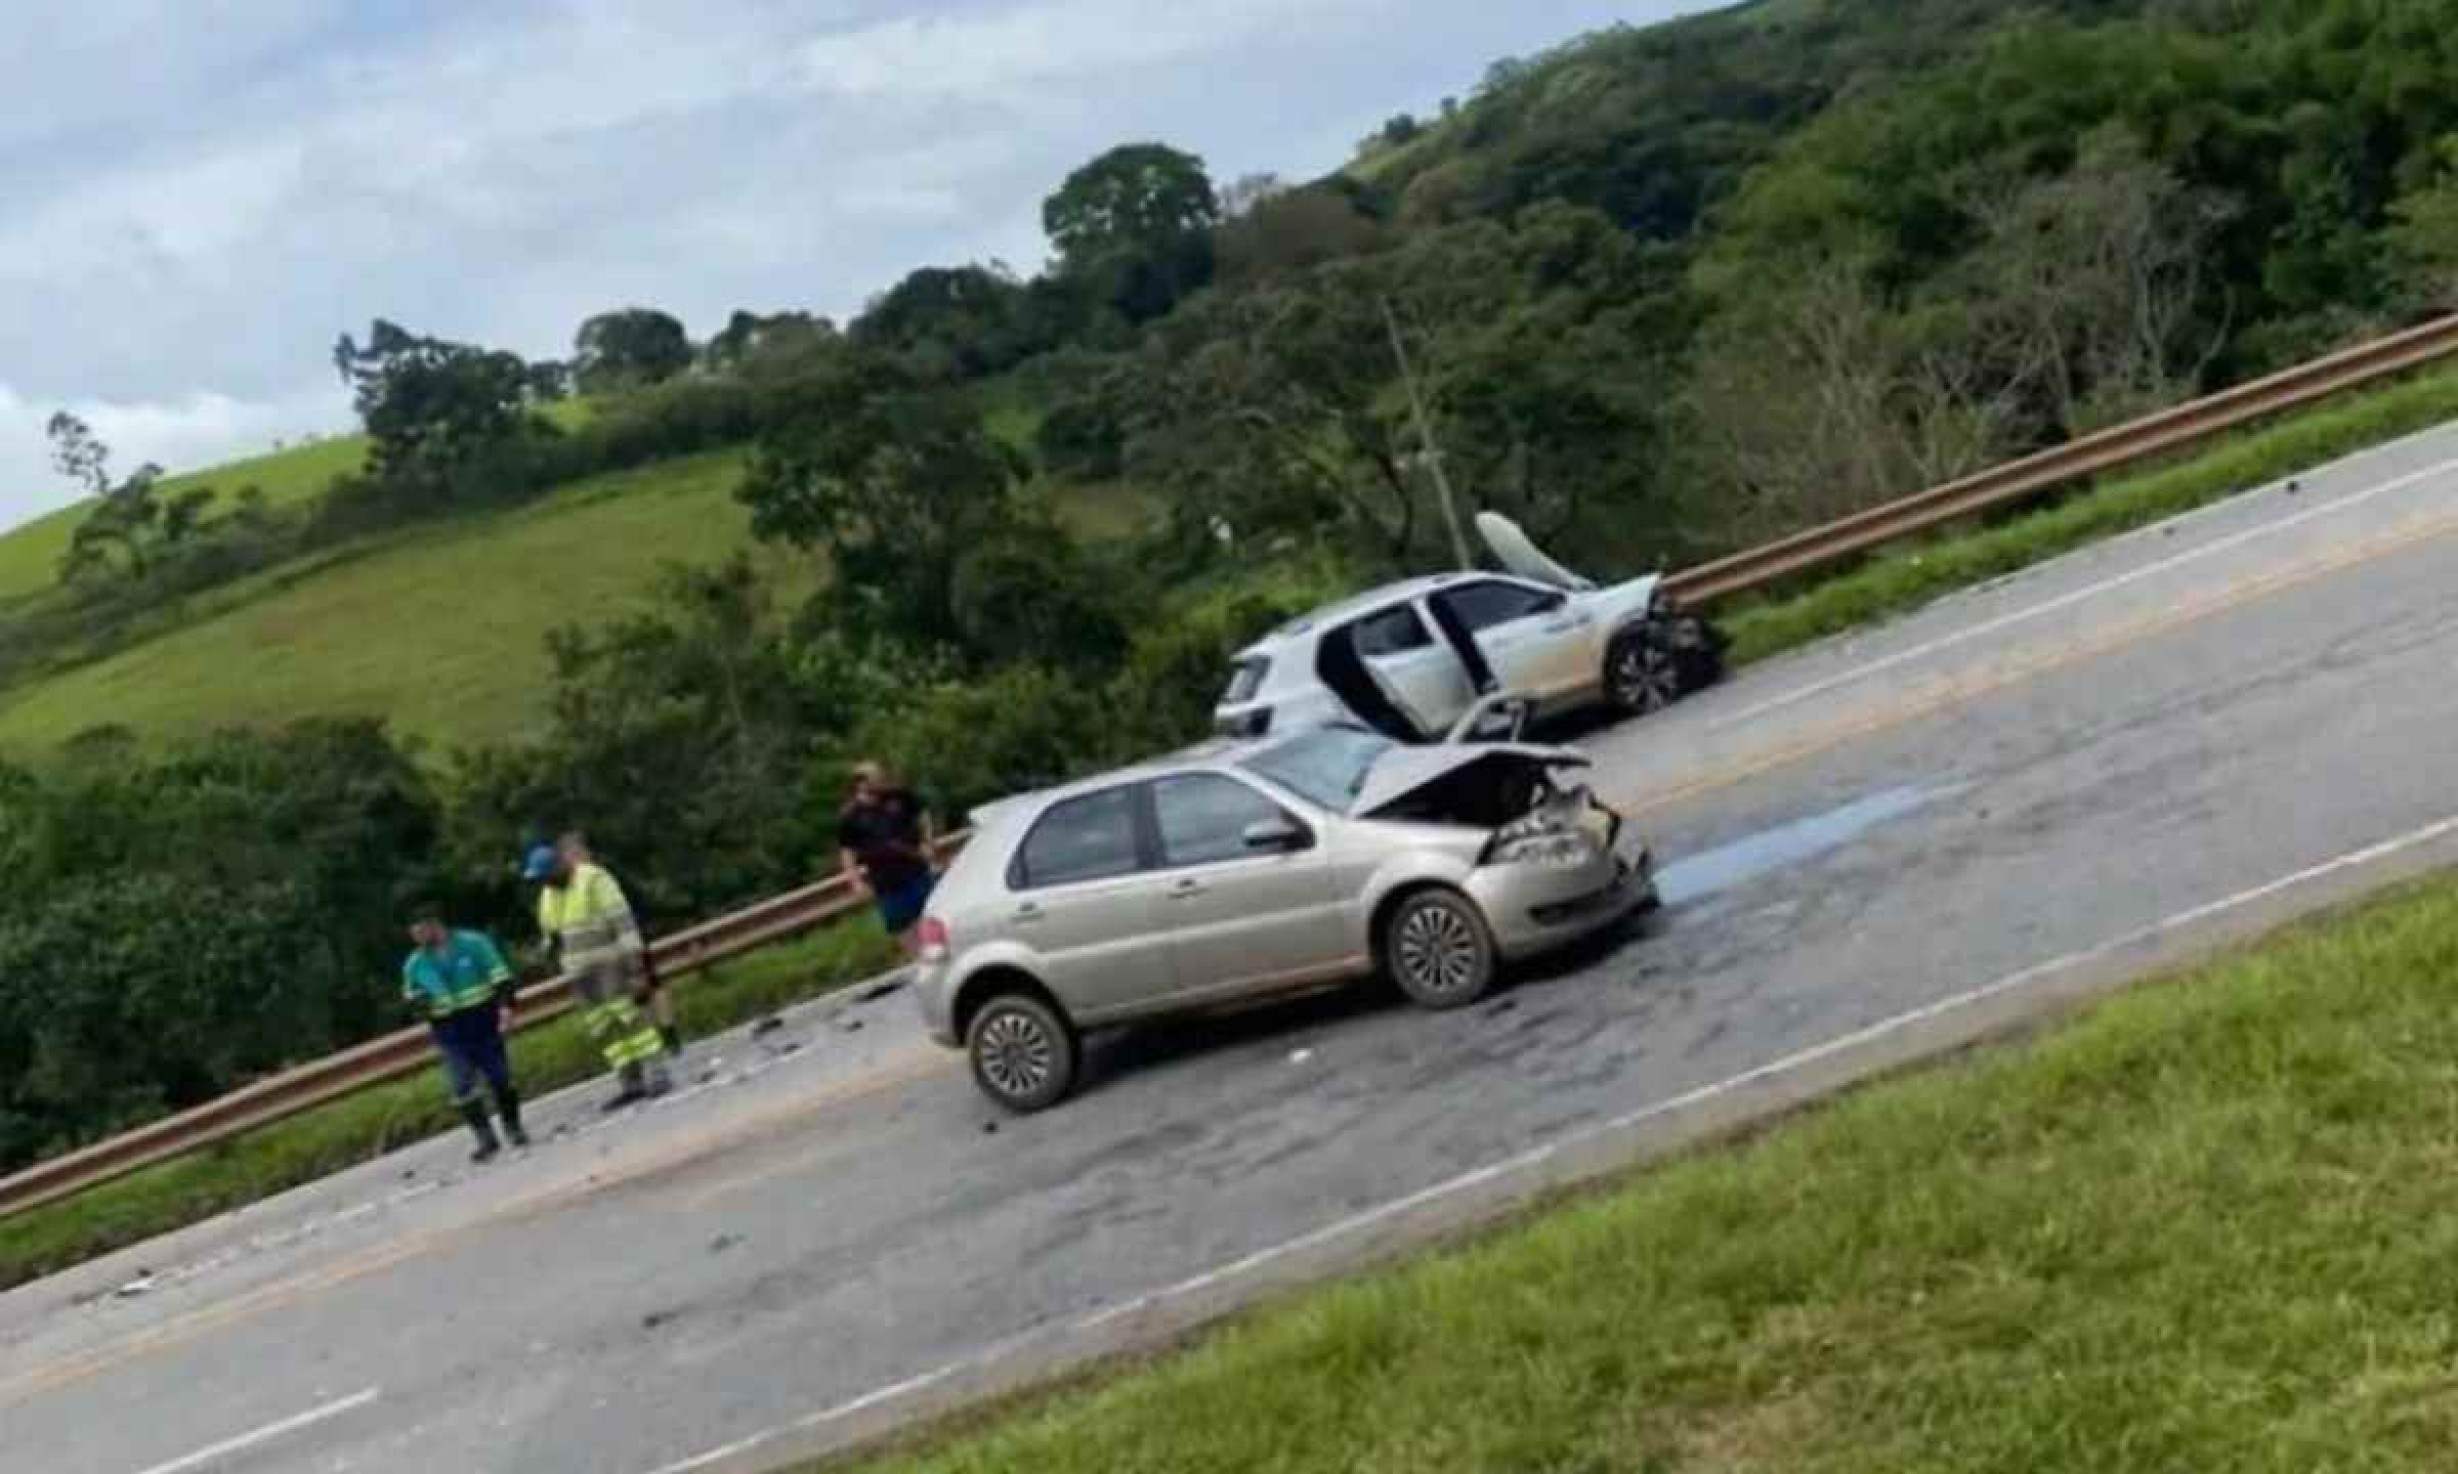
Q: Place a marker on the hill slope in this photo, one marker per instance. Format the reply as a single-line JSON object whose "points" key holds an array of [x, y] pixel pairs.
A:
{"points": [[438, 628], [30, 553]]}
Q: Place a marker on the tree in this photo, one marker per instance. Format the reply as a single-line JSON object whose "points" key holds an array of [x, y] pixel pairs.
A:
{"points": [[894, 485], [129, 526], [1292, 231], [170, 926], [680, 737], [2092, 284], [628, 349], [431, 407], [950, 323], [1138, 220], [752, 343]]}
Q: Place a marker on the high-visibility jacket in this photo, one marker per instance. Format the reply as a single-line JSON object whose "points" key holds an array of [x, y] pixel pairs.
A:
{"points": [[469, 972], [589, 917]]}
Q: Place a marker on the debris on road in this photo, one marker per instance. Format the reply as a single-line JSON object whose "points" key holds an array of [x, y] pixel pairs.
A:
{"points": [[989, 1128], [656, 1318], [1501, 1006], [723, 1242], [135, 1287], [767, 1026], [1300, 1056], [879, 990]]}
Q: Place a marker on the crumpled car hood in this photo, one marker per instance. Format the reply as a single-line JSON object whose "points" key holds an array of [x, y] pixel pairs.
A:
{"points": [[1405, 771]]}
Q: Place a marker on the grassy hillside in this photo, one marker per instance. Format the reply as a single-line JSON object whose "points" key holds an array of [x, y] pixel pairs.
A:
{"points": [[438, 628], [30, 554]]}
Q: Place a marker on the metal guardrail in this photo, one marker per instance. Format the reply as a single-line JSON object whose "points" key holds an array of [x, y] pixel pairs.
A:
{"points": [[2153, 435], [394, 1055], [407, 1051]]}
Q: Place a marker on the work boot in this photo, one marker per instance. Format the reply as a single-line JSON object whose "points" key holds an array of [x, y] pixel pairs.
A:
{"points": [[508, 1106], [631, 1090], [475, 1114]]}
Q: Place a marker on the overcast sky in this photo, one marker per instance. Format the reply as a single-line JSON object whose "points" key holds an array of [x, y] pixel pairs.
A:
{"points": [[195, 198]]}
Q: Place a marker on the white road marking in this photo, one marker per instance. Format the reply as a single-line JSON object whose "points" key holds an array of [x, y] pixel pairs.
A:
{"points": [[269, 1432], [2077, 596], [1798, 1060]]}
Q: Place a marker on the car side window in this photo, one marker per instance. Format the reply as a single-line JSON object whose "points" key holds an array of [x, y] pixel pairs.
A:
{"points": [[1204, 818], [1481, 606], [1395, 631], [1087, 838]]}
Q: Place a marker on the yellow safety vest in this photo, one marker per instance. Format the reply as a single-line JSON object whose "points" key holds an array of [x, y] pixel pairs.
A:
{"points": [[589, 916]]}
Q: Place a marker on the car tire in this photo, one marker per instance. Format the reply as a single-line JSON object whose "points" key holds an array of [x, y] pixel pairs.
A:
{"points": [[1438, 950], [1641, 675], [1024, 1052]]}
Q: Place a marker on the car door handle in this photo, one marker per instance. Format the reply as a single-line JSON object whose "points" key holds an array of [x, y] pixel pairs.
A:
{"points": [[1029, 911], [1185, 890]]}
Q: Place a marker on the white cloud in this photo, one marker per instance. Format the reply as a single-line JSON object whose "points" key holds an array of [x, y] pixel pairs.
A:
{"points": [[1016, 53], [195, 429], [195, 199]]}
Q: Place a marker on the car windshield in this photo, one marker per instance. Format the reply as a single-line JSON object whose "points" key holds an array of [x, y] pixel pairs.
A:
{"points": [[1327, 766]]}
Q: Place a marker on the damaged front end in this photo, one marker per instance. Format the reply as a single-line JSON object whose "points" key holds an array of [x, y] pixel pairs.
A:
{"points": [[1557, 861]]}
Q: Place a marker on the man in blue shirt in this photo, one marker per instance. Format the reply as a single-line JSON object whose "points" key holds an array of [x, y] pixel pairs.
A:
{"points": [[460, 980]]}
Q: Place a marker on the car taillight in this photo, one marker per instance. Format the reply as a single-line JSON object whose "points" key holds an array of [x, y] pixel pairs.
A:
{"points": [[933, 939]]}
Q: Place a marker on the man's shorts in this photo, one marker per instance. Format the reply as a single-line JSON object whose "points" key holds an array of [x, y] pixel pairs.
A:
{"points": [[899, 909]]}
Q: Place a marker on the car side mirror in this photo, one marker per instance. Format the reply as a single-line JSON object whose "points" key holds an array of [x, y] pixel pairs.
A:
{"points": [[1277, 836]]}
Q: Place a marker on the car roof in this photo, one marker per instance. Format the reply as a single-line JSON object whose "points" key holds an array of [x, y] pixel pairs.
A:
{"points": [[1212, 753], [1331, 616]]}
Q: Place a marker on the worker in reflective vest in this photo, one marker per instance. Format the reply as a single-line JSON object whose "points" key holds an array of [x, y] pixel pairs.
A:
{"points": [[460, 981], [589, 923]]}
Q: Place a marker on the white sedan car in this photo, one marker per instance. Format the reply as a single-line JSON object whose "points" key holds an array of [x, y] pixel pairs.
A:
{"points": [[1417, 659]]}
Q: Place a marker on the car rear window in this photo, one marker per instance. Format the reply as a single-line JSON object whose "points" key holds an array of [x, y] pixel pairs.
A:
{"points": [[1245, 679], [1327, 766]]}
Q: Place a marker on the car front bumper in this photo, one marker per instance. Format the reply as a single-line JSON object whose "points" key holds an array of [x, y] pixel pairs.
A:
{"points": [[1533, 908]]}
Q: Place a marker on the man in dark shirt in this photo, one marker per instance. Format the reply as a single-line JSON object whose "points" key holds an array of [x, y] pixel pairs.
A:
{"points": [[883, 840]]}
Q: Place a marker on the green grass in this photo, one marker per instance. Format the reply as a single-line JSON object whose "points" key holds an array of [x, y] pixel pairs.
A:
{"points": [[438, 629], [1912, 575], [190, 1189], [2208, 1226], [30, 554]]}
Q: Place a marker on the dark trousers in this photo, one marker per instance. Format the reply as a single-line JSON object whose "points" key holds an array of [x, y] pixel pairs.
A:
{"points": [[473, 1051]]}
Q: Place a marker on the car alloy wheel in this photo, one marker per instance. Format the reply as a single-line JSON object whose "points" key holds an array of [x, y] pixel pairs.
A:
{"points": [[1023, 1053], [1642, 674], [1440, 954]]}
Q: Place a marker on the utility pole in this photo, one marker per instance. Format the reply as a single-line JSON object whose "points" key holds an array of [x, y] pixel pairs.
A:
{"points": [[1425, 438]]}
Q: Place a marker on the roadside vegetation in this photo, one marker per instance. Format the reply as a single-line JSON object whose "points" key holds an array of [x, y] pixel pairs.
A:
{"points": [[1667, 292], [2207, 1226], [1908, 576], [174, 1194]]}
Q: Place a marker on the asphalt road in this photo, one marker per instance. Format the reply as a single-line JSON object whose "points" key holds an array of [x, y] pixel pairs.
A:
{"points": [[2117, 756]]}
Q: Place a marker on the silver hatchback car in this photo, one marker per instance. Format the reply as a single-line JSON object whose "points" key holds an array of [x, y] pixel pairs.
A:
{"points": [[1244, 870]]}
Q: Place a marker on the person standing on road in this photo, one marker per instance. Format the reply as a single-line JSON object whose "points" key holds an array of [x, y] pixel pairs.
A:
{"points": [[459, 978], [588, 922], [884, 839]]}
